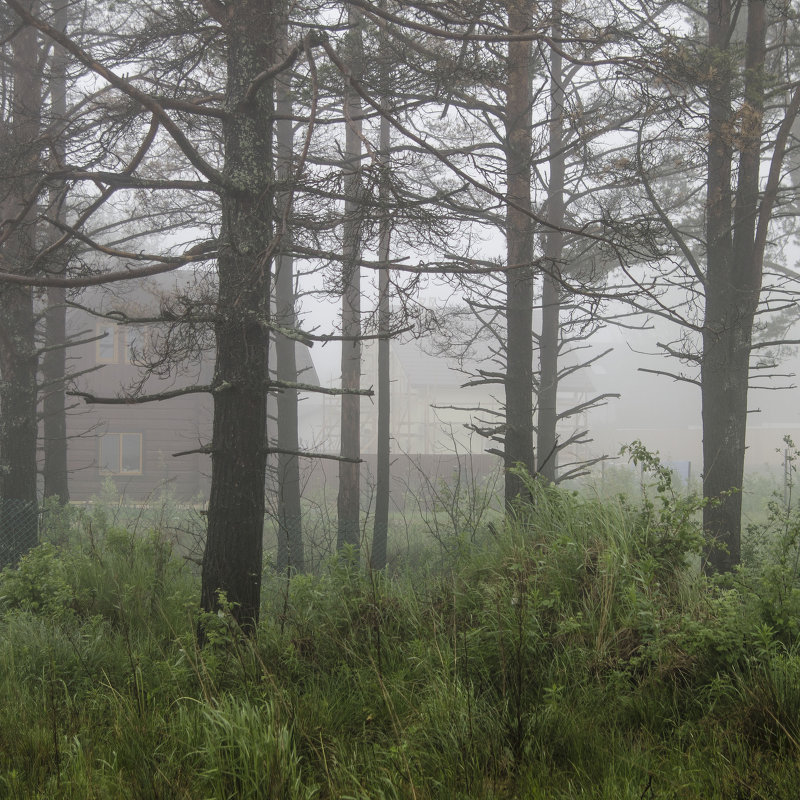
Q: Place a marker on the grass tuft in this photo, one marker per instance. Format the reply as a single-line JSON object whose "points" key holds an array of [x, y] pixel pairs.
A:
{"points": [[570, 650]]}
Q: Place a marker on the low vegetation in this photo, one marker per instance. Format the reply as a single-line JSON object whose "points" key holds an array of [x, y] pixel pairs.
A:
{"points": [[572, 651]]}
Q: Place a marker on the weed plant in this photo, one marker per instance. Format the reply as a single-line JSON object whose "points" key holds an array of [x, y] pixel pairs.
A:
{"points": [[572, 649]]}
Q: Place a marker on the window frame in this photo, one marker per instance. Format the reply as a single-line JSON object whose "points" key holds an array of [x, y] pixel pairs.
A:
{"points": [[110, 338], [120, 438], [121, 338], [130, 336]]}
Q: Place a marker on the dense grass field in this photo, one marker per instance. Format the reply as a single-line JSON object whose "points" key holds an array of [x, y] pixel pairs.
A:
{"points": [[572, 650]]}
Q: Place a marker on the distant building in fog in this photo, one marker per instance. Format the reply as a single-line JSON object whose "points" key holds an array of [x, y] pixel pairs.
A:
{"points": [[135, 445], [432, 411]]}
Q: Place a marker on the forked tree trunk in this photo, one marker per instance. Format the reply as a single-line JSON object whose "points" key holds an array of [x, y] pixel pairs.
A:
{"points": [[291, 556], [549, 341], [733, 279], [232, 561], [348, 501], [518, 446]]}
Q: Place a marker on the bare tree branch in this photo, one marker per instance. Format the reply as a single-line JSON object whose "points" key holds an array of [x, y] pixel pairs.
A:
{"points": [[200, 252]]}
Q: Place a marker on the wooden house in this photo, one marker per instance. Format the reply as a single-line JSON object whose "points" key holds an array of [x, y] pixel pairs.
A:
{"points": [[432, 411], [141, 449]]}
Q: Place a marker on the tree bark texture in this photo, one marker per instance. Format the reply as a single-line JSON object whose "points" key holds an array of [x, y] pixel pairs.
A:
{"points": [[733, 279], [518, 445], [232, 562], [18, 357], [54, 407], [54, 361], [380, 532], [348, 501], [550, 338], [291, 556]]}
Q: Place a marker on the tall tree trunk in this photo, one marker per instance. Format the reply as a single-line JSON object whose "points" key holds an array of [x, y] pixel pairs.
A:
{"points": [[348, 501], [733, 280], [380, 532], [232, 561], [549, 341], [518, 448], [54, 407], [291, 556], [54, 361], [18, 358]]}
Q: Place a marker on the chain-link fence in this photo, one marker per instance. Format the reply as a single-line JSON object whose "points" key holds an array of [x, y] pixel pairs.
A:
{"points": [[19, 529]]}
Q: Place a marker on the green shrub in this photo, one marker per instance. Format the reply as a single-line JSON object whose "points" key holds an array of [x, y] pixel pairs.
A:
{"points": [[130, 580], [571, 650]]}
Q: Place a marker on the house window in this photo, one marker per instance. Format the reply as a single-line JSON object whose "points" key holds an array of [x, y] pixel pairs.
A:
{"points": [[106, 347], [119, 344], [132, 343], [121, 454]]}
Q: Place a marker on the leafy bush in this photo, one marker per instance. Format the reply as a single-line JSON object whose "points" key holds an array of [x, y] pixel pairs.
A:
{"points": [[132, 581], [572, 649]]}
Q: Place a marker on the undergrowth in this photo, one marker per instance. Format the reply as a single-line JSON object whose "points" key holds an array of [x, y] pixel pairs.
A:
{"points": [[572, 650]]}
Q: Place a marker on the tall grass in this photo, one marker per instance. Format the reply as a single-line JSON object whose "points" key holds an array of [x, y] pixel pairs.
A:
{"points": [[570, 650]]}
